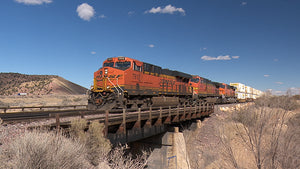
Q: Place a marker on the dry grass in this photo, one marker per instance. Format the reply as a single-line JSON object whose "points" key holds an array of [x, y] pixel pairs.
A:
{"points": [[96, 144], [264, 134], [261, 135], [43, 150], [99, 150], [119, 160], [48, 150]]}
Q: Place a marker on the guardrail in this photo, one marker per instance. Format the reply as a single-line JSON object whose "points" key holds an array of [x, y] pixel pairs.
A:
{"points": [[20, 109]]}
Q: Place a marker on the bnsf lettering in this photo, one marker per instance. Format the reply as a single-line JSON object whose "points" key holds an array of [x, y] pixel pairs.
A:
{"points": [[167, 83]]}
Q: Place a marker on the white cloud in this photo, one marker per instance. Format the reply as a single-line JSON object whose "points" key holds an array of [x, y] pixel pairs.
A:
{"points": [[226, 57], [130, 13], [85, 11], [169, 9], [102, 16], [202, 49], [34, 2], [151, 46], [280, 83], [266, 75], [93, 52], [243, 3], [235, 57]]}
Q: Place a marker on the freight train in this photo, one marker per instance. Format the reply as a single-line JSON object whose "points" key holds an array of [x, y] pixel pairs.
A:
{"points": [[123, 82]]}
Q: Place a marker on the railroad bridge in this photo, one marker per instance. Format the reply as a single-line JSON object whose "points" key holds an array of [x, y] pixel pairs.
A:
{"points": [[140, 125], [121, 126], [131, 126], [125, 126]]}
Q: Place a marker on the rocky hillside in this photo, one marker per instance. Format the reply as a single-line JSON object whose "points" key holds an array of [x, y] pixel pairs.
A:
{"points": [[14, 83]]}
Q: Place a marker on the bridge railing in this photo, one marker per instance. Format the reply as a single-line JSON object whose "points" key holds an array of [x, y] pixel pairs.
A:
{"points": [[19, 109]]}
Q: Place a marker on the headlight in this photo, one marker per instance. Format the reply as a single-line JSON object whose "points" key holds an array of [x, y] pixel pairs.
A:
{"points": [[105, 71]]}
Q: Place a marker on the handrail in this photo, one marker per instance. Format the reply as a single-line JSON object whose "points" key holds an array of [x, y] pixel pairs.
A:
{"points": [[113, 85]]}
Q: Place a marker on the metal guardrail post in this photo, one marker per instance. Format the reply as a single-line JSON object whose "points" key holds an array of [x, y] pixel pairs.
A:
{"points": [[150, 113], [149, 121], [122, 128], [168, 119], [177, 112], [160, 112], [57, 122], [184, 112], [150, 116], [81, 114], [159, 120], [106, 123], [138, 122]]}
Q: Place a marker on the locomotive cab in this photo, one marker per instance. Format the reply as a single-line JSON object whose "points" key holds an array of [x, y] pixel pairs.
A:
{"points": [[108, 89]]}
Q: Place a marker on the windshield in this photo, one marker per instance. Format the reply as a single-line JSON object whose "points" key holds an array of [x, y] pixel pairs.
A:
{"points": [[122, 65], [195, 80], [108, 64]]}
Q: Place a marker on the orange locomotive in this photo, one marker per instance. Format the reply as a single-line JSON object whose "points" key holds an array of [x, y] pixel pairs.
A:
{"points": [[126, 82], [206, 90]]}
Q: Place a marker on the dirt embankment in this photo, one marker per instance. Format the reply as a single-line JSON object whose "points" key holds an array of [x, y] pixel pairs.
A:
{"points": [[45, 100], [14, 83]]}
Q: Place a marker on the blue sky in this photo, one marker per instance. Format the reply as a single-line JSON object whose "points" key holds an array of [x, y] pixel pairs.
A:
{"points": [[255, 42]]}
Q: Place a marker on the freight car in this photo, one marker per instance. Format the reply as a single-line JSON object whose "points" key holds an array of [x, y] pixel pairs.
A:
{"points": [[126, 82]]}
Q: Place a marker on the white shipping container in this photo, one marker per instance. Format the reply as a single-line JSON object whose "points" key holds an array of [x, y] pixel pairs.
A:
{"points": [[247, 89], [247, 96], [239, 87], [240, 96], [251, 96], [254, 92]]}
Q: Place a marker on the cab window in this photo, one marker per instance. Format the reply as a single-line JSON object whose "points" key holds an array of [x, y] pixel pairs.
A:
{"points": [[122, 65], [136, 67], [108, 64], [195, 80]]}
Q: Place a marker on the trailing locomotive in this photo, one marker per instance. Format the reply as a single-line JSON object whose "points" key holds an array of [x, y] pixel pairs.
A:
{"points": [[126, 82]]}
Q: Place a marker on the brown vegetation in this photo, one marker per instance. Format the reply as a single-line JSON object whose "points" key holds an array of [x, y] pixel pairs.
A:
{"points": [[96, 144], [43, 150], [260, 135], [82, 148]]}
